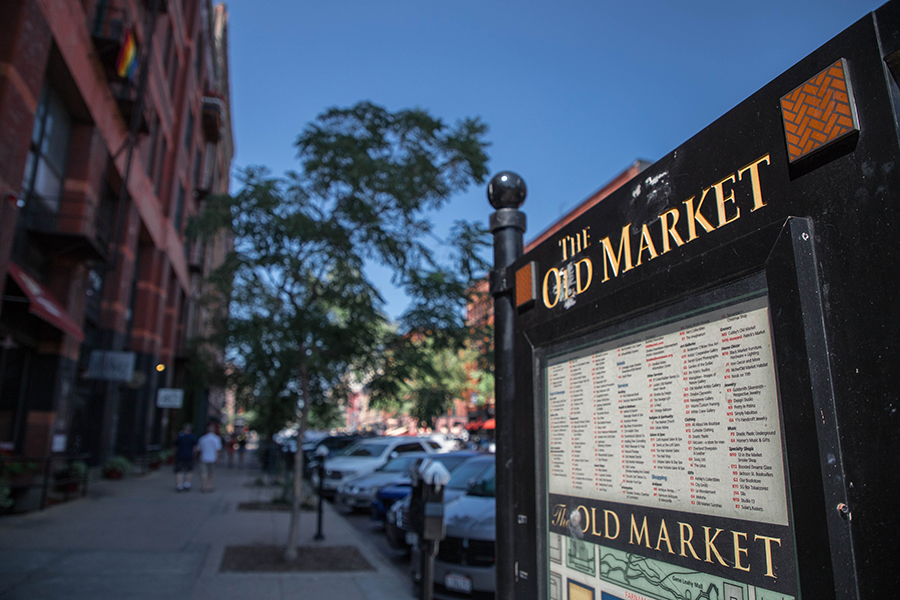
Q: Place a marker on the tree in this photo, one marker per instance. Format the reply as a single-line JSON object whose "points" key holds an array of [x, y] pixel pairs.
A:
{"points": [[303, 314]]}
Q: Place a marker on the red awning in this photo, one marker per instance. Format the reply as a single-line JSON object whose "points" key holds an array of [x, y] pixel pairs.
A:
{"points": [[42, 304], [473, 425], [489, 424]]}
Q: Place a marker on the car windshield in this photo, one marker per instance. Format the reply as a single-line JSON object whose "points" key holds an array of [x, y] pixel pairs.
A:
{"points": [[467, 473], [401, 464], [484, 485], [451, 461], [368, 449]]}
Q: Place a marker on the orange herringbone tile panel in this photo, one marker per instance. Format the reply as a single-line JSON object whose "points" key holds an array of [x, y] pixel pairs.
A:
{"points": [[819, 112], [525, 285]]}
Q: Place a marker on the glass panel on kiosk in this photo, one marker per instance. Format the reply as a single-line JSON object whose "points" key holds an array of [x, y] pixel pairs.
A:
{"points": [[665, 465]]}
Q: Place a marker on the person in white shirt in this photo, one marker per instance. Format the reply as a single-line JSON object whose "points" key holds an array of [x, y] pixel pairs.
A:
{"points": [[208, 447]]}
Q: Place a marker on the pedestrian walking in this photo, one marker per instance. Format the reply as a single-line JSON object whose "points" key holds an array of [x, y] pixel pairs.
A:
{"points": [[184, 458], [208, 447], [242, 447], [230, 445]]}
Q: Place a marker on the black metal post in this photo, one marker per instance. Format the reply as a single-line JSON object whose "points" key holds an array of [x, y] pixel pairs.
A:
{"points": [[321, 467], [426, 557], [506, 192]]}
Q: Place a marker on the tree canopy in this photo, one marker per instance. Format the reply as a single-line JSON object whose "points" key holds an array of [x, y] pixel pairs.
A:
{"points": [[304, 315]]}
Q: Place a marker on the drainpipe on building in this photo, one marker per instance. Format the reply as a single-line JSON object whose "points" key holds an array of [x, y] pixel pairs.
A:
{"points": [[111, 406]]}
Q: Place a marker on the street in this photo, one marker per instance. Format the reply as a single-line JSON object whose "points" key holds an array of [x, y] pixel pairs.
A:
{"points": [[373, 532]]}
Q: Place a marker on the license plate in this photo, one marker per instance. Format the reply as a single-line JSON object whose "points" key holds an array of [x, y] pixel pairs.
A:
{"points": [[458, 583]]}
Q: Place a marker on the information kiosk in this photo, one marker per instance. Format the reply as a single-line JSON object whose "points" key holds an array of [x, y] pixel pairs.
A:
{"points": [[706, 362]]}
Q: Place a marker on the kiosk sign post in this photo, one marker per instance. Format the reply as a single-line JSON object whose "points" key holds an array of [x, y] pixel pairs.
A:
{"points": [[705, 364]]}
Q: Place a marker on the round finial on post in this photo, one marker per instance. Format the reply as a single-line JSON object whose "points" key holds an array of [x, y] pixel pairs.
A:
{"points": [[506, 190]]}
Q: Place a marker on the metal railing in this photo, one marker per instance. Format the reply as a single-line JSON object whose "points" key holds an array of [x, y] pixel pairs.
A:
{"points": [[33, 482], [71, 216]]}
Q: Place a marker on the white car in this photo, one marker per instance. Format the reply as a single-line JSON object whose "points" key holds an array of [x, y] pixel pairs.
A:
{"points": [[367, 455]]}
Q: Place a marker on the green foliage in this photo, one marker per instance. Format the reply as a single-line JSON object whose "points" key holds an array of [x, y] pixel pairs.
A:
{"points": [[325, 414], [117, 463], [6, 500], [76, 469], [421, 377], [19, 468], [303, 314]]}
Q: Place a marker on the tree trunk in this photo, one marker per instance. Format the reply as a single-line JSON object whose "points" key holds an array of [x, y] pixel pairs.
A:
{"points": [[290, 550]]}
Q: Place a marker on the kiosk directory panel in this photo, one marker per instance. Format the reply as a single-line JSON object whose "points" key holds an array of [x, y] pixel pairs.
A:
{"points": [[665, 455], [705, 372]]}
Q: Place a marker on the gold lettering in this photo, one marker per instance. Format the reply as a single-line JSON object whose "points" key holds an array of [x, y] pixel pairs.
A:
{"points": [[616, 261], [695, 217], [686, 541], [587, 518], [738, 551], [586, 236], [594, 523], [555, 272], [721, 199], [559, 515], [768, 542], [664, 535], [606, 515], [669, 230], [562, 243], [640, 534], [753, 169], [646, 243], [590, 274], [711, 546]]}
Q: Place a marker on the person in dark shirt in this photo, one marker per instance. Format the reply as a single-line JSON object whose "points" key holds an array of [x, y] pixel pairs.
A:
{"points": [[184, 458]]}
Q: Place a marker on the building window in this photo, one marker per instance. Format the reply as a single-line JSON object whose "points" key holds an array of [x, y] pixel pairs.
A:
{"points": [[179, 206], [46, 164]]}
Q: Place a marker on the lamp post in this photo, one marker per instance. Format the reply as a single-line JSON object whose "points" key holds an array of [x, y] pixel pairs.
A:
{"points": [[321, 453], [506, 193]]}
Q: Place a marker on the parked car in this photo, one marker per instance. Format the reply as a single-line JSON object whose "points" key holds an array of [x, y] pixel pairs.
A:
{"points": [[466, 559], [333, 443], [397, 525], [365, 456], [390, 492]]}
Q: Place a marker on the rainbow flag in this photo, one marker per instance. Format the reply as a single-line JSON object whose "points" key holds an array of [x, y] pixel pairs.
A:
{"points": [[126, 64]]}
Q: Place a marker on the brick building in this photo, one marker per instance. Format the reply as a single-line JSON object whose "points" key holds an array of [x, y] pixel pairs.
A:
{"points": [[114, 125]]}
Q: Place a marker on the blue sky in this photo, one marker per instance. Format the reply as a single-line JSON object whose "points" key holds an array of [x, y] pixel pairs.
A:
{"points": [[573, 91]]}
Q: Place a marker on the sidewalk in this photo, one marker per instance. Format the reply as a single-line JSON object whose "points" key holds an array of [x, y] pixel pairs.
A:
{"points": [[139, 539]]}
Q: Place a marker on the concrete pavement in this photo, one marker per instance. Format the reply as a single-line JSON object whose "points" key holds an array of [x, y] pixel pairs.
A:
{"points": [[139, 539]]}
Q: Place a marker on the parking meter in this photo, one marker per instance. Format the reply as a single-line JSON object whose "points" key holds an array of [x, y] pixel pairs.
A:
{"points": [[428, 518], [434, 476]]}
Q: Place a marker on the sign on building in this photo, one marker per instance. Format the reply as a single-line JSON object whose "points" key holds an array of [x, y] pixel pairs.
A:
{"points": [[111, 365], [169, 398], [706, 373]]}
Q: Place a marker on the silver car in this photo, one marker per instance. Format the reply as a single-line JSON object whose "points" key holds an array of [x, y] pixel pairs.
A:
{"points": [[358, 492]]}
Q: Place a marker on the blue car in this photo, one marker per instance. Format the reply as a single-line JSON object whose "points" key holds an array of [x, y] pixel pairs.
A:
{"points": [[397, 527], [388, 495]]}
